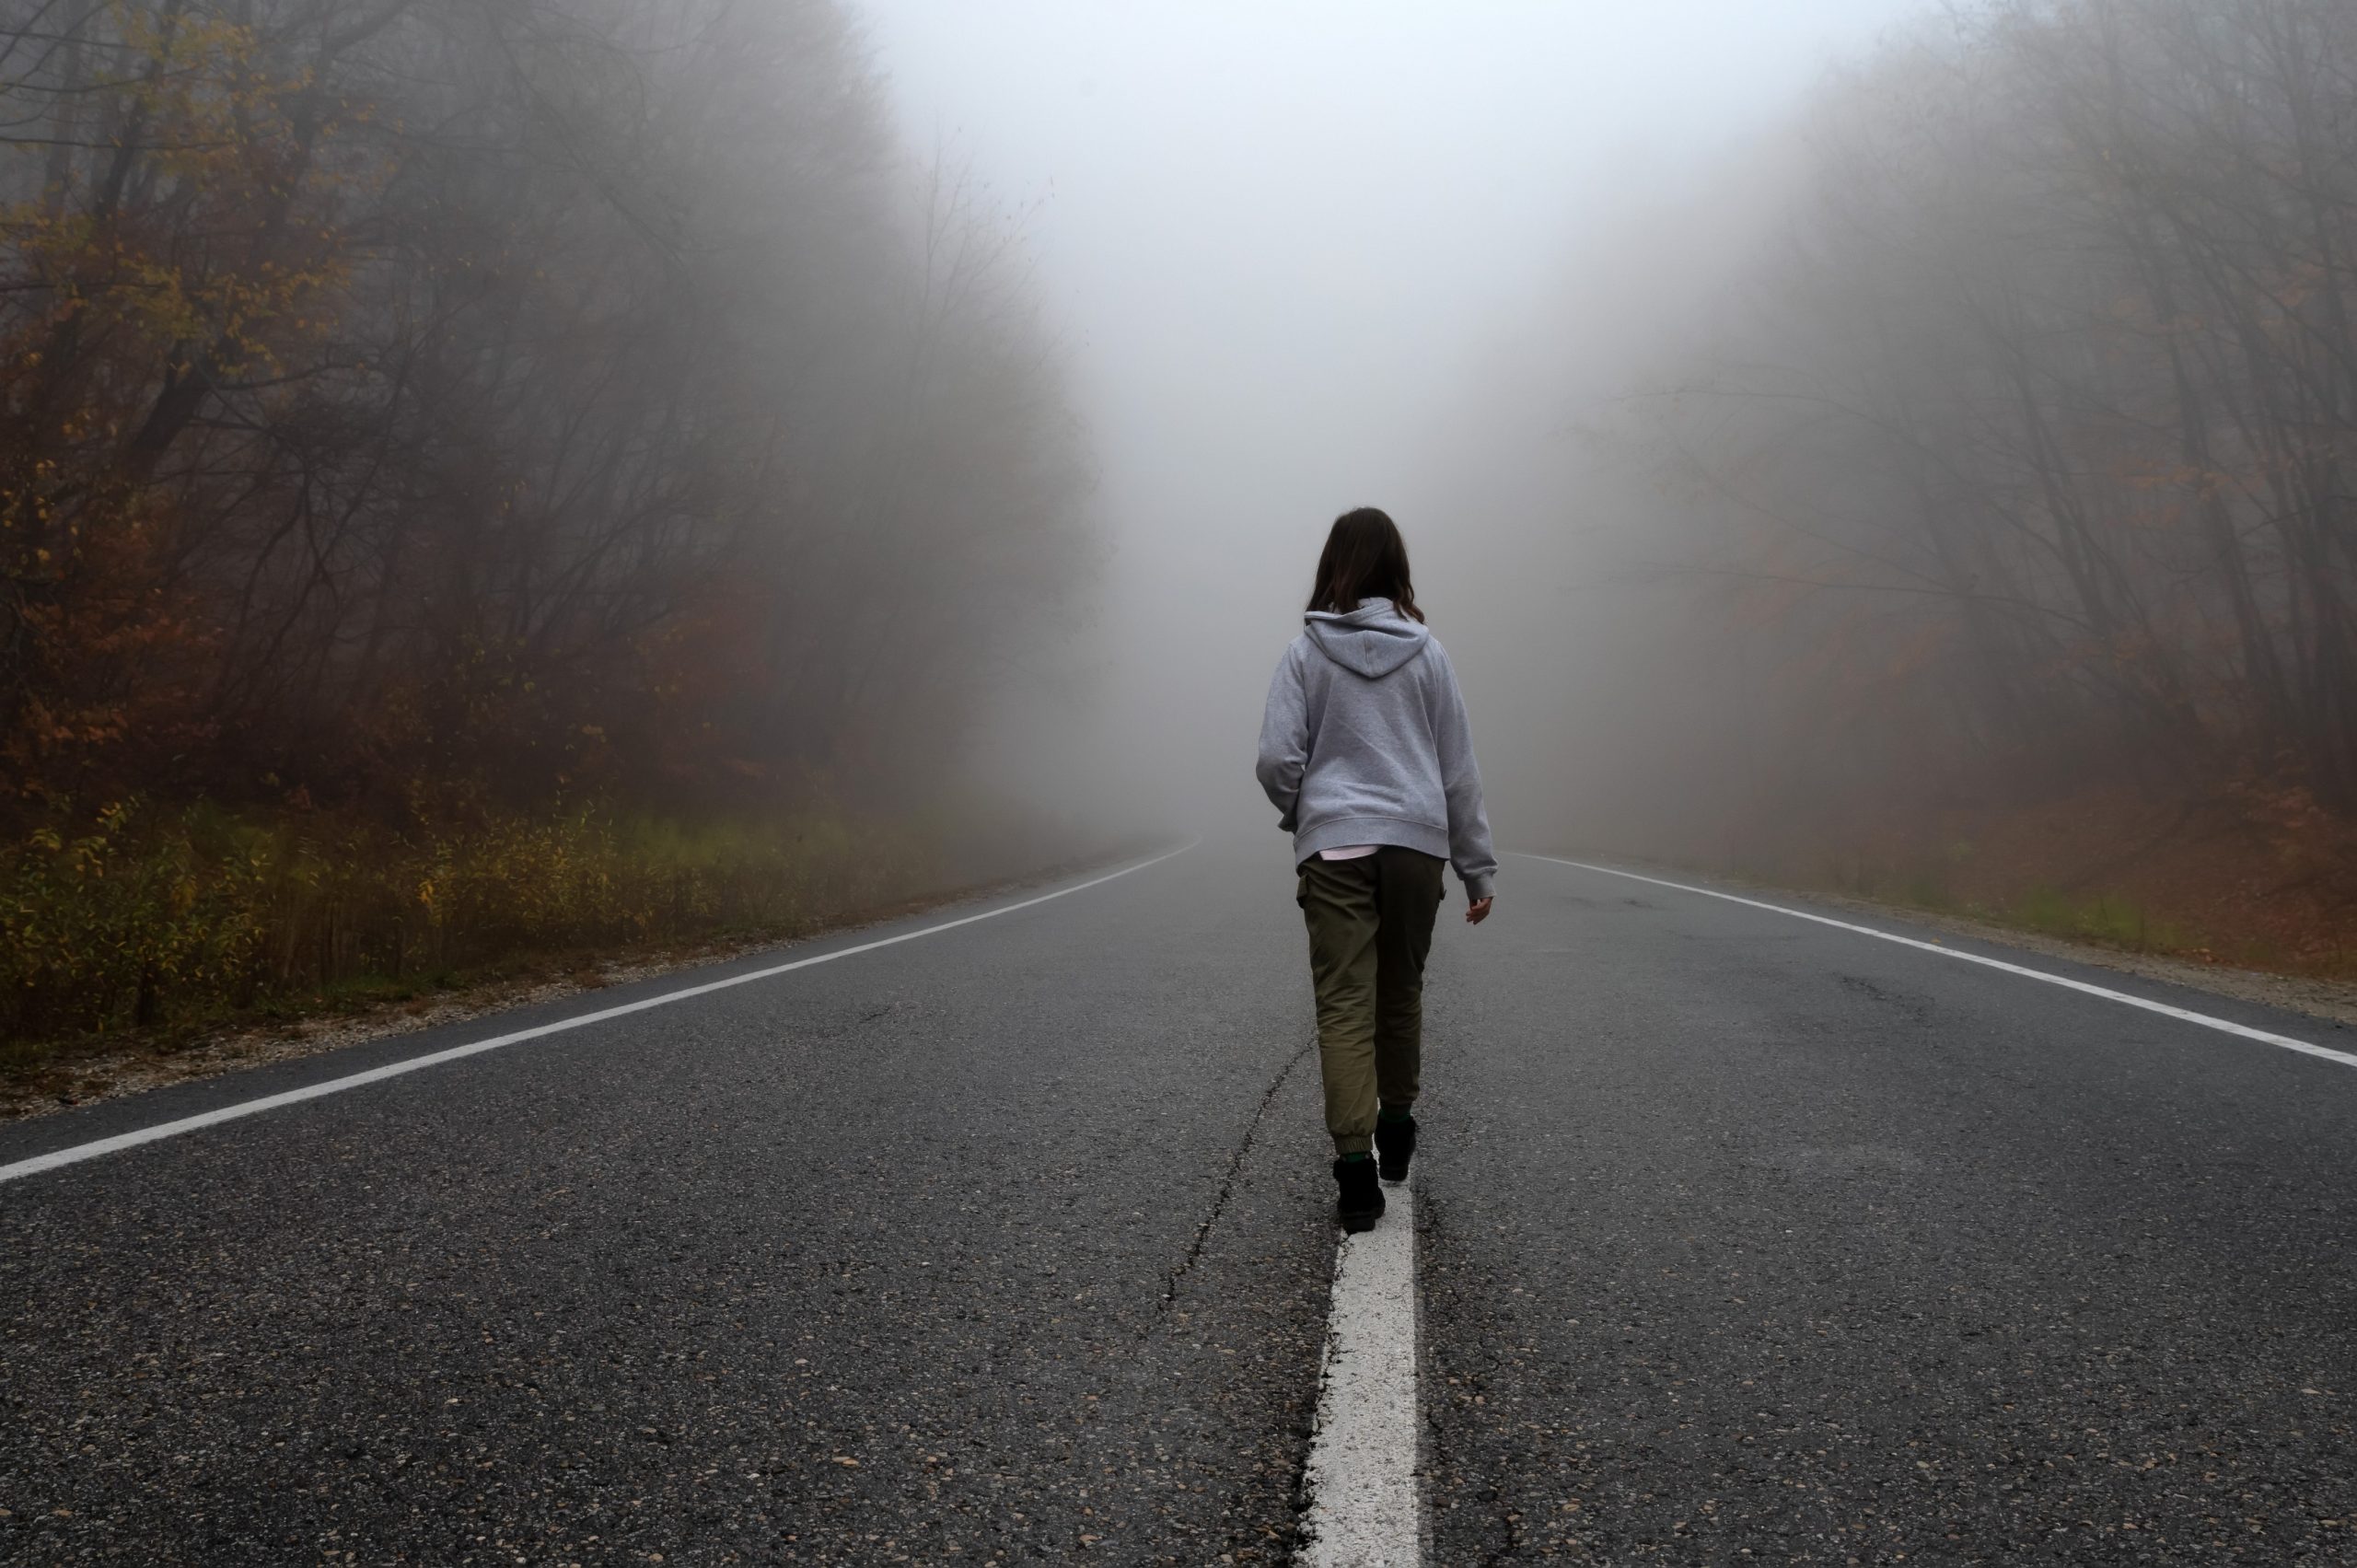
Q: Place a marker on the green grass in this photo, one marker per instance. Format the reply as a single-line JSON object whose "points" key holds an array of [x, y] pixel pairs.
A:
{"points": [[1926, 891], [2107, 918]]}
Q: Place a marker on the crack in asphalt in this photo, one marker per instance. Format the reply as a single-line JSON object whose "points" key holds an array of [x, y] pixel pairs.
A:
{"points": [[1226, 1189], [1915, 1009]]}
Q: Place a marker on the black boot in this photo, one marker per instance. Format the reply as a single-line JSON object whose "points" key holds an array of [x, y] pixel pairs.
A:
{"points": [[1395, 1145], [1359, 1202]]}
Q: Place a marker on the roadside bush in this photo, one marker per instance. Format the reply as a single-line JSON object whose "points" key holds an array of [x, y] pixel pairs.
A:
{"points": [[147, 920], [110, 924]]}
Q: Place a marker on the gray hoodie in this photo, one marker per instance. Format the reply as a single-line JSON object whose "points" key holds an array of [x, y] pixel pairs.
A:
{"points": [[1366, 742]]}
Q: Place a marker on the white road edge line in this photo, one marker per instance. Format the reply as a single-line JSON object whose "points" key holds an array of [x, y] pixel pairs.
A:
{"points": [[36, 1164], [1364, 1507], [2224, 1025]]}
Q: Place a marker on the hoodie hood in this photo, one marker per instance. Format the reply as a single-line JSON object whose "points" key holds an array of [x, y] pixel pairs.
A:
{"points": [[1373, 640]]}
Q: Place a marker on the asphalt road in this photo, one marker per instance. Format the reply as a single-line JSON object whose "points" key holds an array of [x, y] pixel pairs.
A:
{"points": [[1743, 1239]]}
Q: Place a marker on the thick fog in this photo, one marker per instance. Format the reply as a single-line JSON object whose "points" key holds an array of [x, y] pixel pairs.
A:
{"points": [[464, 424], [1299, 257]]}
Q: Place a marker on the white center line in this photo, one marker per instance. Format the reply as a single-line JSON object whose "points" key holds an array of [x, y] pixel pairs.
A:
{"points": [[2225, 1026], [1365, 1508], [92, 1150]]}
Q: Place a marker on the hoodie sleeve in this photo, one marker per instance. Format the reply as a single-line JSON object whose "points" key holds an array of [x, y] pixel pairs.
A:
{"points": [[1284, 738], [1468, 824]]}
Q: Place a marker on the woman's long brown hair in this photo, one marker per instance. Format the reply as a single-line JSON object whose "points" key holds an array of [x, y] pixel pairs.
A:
{"points": [[1364, 558]]}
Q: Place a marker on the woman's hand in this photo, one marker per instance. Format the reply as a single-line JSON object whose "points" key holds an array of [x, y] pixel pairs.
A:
{"points": [[1477, 911]]}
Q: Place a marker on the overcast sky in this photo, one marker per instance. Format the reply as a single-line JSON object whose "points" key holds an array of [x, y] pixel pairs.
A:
{"points": [[1277, 237]]}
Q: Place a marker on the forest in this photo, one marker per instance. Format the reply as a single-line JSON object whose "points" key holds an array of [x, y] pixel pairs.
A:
{"points": [[483, 475], [2016, 479], [488, 479]]}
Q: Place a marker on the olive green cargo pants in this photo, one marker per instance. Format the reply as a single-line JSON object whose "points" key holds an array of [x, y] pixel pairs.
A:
{"points": [[1370, 926]]}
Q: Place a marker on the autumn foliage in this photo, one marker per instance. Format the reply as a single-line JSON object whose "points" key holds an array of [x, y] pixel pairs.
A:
{"points": [[2022, 463], [418, 416]]}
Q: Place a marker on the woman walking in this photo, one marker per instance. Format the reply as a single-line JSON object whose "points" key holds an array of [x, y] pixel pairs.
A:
{"points": [[1365, 752]]}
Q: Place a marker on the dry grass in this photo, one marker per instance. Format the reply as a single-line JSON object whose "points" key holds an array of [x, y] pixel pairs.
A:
{"points": [[157, 927], [2246, 876]]}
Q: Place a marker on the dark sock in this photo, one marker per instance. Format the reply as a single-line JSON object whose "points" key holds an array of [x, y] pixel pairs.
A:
{"points": [[1389, 1114], [1361, 1155]]}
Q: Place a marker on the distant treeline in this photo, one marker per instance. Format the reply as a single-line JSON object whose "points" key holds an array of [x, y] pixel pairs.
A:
{"points": [[2029, 447], [430, 418]]}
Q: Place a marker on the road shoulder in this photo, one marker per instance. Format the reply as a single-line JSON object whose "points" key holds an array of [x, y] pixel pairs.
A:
{"points": [[94, 1075], [2334, 1000]]}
